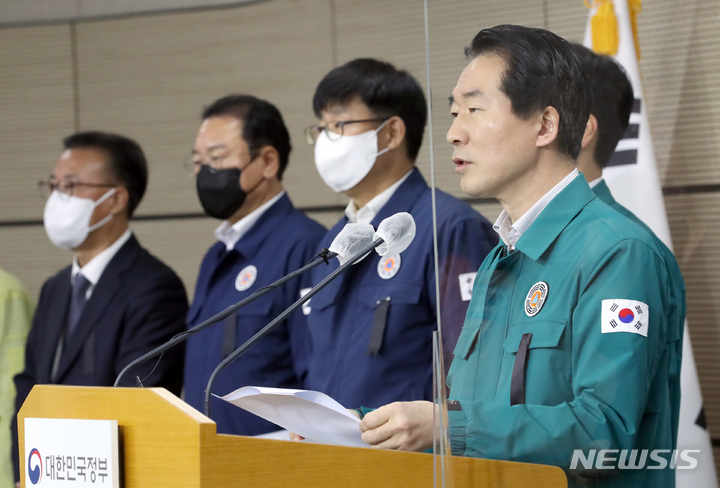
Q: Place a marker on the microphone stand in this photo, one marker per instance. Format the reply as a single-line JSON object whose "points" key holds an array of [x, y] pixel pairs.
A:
{"points": [[325, 256], [265, 330]]}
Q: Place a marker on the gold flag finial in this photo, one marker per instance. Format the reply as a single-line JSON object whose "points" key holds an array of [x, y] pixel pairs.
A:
{"points": [[635, 7], [604, 27]]}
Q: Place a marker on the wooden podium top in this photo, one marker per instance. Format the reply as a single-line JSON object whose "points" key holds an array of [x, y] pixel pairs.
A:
{"points": [[166, 443]]}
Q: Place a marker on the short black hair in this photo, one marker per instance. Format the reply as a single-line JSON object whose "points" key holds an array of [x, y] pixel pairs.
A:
{"points": [[126, 161], [262, 124], [542, 71], [612, 100], [384, 89]]}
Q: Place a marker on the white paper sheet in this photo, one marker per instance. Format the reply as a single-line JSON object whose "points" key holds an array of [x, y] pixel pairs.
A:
{"points": [[311, 414]]}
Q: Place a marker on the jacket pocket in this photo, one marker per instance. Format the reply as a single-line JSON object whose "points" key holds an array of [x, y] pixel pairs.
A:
{"points": [[545, 334], [465, 342], [395, 310]]}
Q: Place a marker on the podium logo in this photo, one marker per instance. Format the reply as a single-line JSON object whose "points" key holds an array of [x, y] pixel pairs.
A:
{"points": [[35, 473]]}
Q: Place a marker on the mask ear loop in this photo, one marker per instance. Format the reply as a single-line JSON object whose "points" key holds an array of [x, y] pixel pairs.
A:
{"points": [[104, 221], [379, 153], [259, 182]]}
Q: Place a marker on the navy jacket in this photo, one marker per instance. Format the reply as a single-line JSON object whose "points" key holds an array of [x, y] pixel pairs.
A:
{"points": [[138, 304], [399, 295], [281, 241]]}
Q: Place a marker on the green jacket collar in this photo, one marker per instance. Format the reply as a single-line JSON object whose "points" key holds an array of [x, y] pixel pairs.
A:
{"points": [[602, 191], [556, 216]]}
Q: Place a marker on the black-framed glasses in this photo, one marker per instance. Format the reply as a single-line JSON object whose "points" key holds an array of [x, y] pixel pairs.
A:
{"points": [[194, 161], [334, 130], [66, 187]]}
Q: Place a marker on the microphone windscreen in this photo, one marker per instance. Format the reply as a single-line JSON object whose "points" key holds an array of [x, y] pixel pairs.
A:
{"points": [[352, 239], [397, 232]]}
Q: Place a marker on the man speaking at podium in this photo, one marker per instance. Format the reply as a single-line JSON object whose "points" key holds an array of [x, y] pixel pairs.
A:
{"points": [[565, 347], [116, 301], [371, 329]]}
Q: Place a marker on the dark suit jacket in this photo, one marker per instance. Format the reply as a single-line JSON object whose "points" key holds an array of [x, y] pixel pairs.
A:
{"points": [[137, 304]]}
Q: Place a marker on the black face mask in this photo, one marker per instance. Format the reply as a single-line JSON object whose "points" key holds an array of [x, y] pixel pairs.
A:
{"points": [[219, 191]]}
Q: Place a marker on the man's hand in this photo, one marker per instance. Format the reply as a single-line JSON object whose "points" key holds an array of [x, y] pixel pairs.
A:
{"points": [[405, 426], [294, 437]]}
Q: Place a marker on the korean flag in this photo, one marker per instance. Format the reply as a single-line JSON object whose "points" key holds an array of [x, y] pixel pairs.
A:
{"points": [[625, 316]]}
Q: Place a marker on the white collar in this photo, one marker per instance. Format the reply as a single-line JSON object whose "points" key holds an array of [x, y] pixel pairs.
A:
{"points": [[366, 214], [594, 182], [93, 270], [230, 234], [511, 233]]}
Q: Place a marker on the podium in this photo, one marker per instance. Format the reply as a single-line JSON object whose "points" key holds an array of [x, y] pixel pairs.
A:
{"points": [[166, 443]]}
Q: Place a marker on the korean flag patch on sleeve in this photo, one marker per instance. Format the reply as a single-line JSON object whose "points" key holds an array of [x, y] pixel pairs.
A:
{"points": [[625, 316]]}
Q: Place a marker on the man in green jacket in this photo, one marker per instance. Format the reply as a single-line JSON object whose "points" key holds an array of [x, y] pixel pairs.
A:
{"points": [[612, 103], [564, 356]]}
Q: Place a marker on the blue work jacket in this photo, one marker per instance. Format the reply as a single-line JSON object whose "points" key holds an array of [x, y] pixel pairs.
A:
{"points": [[281, 241], [371, 329]]}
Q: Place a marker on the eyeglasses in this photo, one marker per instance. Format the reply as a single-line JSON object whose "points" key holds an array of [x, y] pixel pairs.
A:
{"points": [[194, 162], [334, 130], [66, 187]]}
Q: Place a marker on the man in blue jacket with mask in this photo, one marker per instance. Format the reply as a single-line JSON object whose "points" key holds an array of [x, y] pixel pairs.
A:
{"points": [[371, 329], [240, 153]]}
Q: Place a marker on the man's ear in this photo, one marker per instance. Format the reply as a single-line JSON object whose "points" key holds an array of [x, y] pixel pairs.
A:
{"points": [[591, 131], [394, 133], [549, 128], [270, 161], [119, 200]]}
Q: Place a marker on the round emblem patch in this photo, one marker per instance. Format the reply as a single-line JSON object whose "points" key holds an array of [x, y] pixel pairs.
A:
{"points": [[246, 278], [536, 298], [389, 266]]}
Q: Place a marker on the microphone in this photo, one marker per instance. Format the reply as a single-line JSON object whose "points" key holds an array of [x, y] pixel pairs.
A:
{"points": [[396, 229], [397, 232], [351, 237]]}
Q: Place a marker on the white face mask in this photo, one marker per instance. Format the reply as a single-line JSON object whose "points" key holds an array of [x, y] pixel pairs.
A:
{"points": [[67, 218], [344, 163]]}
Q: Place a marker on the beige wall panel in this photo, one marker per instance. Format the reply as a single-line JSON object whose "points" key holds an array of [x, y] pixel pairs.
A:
{"points": [[22, 11], [36, 11], [27, 253], [37, 112], [567, 18], [179, 243], [326, 219], [695, 227], [490, 211], [679, 42], [149, 77]]}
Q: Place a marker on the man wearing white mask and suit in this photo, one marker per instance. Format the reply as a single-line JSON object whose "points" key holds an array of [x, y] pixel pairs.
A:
{"points": [[115, 301], [371, 329]]}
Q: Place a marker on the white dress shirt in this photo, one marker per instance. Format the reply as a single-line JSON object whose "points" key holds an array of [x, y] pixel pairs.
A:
{"points": [[93, 270], [510, 233], [230, 234], [366, 214]]}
